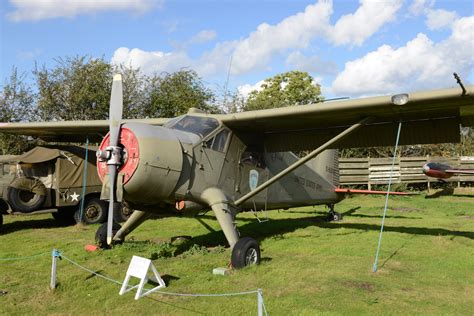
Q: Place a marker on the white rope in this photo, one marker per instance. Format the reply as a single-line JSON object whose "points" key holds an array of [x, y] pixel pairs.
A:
{"points": [[161, 292], [24, 258]]}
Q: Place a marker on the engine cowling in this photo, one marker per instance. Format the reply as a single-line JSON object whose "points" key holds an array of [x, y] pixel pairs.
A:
{"points": [[152, 163]]}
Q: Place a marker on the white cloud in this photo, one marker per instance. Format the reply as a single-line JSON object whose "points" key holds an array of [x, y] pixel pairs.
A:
{"points": [[420, 64], [204, 36], [245, 89], [151, 62], [437, 19], [295, 32], [419, 7], [34, 10], [354, 29]]}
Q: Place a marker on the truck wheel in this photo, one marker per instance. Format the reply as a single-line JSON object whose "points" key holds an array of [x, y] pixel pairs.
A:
{"points": [[26, 200], [123, 213], [94, 212], [64, 216], [246, 252]]}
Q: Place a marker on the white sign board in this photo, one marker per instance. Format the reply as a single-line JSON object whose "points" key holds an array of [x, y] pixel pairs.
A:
{"points": [[139, 268]]}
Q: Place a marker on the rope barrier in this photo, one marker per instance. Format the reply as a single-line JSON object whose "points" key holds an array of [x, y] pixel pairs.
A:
{"points": [[374, 268], [258, 292], [25, 258], [57, 254], [84, 181]]}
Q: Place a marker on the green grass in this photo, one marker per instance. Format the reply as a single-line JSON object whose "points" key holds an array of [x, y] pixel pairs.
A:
{"points": [[309, 266]]}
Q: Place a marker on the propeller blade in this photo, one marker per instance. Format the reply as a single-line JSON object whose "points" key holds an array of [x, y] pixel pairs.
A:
{"points": [[115, 121], [110, 218], [115, 110]]}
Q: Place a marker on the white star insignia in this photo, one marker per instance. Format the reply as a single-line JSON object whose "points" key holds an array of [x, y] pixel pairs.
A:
{"points": [[74, 197]]}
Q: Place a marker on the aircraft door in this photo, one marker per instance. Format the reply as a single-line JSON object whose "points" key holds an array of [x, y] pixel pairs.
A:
{"points": [[213, 157], [252, 173]]}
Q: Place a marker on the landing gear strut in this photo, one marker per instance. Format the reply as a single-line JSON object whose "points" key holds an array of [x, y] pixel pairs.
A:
{"points": [[333, 216]]}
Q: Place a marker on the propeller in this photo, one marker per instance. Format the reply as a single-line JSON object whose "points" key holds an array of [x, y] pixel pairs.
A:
{"points": [[113, 153]]}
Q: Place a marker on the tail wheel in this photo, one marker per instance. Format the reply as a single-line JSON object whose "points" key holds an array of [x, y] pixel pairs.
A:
{"points": [[101, 235], [246, 252]]}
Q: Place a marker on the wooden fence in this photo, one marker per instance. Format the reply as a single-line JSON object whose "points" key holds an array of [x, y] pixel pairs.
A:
{"points": [[370, 171]]}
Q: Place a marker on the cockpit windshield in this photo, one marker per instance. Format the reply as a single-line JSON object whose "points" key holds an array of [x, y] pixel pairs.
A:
{"points": [[201, 126]]}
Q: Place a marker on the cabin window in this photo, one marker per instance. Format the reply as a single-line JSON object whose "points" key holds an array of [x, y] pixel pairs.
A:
{"points": [[219, 141], [253, 158], [201, 126]]}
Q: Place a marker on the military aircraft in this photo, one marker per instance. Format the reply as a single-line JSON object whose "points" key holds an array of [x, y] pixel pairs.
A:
{"points": [[242, 161], [442, 171]]}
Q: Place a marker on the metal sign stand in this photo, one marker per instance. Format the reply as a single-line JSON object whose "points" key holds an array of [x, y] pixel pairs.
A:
{"points": [[139, 268]]}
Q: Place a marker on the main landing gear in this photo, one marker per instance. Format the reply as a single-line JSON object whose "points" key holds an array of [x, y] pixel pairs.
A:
{"points": [[333, 216], [246, 252]]}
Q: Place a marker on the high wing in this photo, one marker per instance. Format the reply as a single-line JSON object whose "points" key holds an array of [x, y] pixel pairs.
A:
{"points": [[427, 117], [70, 131]]}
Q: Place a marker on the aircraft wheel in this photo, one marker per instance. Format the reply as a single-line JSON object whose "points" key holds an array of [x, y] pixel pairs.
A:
{"points": [[246, 252], [334, 217], [101, 235]]}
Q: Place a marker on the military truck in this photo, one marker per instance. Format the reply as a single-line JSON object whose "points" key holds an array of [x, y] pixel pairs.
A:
{"points": [[50, 179]]}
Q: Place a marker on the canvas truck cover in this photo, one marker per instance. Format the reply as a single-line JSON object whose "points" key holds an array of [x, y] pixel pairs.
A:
{"points": [[69, 171], [68, 164]]}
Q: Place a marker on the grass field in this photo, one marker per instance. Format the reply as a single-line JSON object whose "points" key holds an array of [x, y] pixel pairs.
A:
{"points": [[309, 266]]}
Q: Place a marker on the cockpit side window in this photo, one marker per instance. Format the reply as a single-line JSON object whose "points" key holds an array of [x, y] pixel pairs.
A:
{"points": [[219, 141], [201, 126]]}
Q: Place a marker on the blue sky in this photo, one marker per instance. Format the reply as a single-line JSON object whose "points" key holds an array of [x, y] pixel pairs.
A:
{"points": [[352, 48]]}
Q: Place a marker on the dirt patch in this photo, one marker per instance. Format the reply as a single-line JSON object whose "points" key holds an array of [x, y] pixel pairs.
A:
{"points": [[467, 217], [366, 286]]}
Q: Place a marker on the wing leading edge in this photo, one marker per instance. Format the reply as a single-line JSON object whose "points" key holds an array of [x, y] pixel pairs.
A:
{"points": [[68, 131], [427, 117]]}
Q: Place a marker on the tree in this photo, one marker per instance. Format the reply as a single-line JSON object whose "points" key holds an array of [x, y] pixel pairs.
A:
{"points": [[289, 88], [172, 94], [77, 88], [17, 102]]}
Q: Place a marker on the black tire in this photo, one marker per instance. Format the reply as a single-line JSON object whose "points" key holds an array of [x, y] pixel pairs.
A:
{"points": [[1, 221], [246, 252], [26, 201], [64, 216], [122, 213], [95, 211], [101, 235]]}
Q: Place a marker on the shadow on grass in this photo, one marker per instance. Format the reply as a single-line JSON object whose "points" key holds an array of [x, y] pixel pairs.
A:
{"points": [[448, 191], [281, 226], [45, 223]]}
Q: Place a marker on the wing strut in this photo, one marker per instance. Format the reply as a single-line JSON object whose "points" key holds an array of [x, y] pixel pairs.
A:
{"points": [[303, 160]]}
